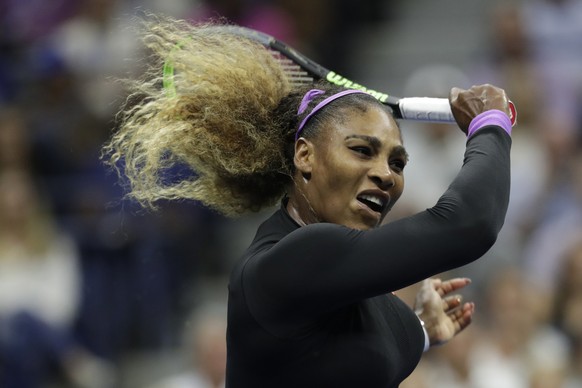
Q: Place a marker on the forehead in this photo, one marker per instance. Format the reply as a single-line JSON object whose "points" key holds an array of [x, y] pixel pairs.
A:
{"points": [[373, 122]]}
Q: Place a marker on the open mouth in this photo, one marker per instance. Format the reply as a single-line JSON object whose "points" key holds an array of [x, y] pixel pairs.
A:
{"points": [[375, 203]]}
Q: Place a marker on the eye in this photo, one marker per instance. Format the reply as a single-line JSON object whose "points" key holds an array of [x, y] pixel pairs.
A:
{"points": [[362, 150], [398, 164]]}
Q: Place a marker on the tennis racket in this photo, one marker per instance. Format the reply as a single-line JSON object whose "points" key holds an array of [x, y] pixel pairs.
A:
{"points": [[302, 70]]}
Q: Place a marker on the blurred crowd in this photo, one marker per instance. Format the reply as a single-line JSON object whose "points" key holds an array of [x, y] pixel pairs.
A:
{"points": [[528, 324], [97, 292]]}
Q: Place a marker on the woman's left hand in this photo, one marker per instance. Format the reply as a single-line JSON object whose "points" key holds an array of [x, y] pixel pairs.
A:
{"points": [[442, 313]]}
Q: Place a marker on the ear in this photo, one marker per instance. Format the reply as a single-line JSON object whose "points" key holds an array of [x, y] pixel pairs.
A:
{"points": [[304, 156]]}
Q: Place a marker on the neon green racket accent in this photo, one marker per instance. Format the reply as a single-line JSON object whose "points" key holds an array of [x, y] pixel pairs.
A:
{"points": [[168, 72], [168, 80]]}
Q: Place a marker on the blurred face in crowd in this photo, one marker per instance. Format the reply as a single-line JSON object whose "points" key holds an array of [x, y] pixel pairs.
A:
{"points": [[353, 169], [17, 199], [14, 142], [210, 349]]}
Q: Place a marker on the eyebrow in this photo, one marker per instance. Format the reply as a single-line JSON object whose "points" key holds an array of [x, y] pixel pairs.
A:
{"points": [[376, 143]]}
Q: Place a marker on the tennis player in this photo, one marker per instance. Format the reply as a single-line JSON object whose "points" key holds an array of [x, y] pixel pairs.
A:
{"points": [[311, 301]]}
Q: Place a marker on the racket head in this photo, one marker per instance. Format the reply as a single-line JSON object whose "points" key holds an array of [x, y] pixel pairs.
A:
{"points": [[299, 69], [304, 70]]}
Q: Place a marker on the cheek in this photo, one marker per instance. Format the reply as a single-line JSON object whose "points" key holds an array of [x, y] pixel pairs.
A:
{"points": [[397, 190], [342, 178], [337, 182], [400, 185], [334, 193], [331, 171]]}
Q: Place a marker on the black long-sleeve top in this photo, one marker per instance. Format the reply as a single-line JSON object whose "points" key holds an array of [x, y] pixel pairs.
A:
{"points": [[312, 306]]}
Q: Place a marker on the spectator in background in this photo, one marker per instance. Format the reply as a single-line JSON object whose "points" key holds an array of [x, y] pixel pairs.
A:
{"points": [[513, 344], [338, 26], [517, 347], [568, 308], [204, 350], [555, 31], [132, 265], [508, 61], [559, 223], [39, 294], [264, 16], [448, 366], [22, 22], [15, 143], [95, 45]]}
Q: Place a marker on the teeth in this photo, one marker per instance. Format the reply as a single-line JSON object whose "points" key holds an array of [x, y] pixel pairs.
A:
{"points": [[371, 198]]}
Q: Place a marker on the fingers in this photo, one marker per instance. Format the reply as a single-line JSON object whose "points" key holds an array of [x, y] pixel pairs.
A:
{"points": [[479, 98], [451, 302], [454, 95], [450, 324], [446, 287], [437, 295], [467, 104], [462, 317]]}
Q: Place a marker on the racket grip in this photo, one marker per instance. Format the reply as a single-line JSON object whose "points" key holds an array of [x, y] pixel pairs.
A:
{"points": [[430, 109], [436, 110]]}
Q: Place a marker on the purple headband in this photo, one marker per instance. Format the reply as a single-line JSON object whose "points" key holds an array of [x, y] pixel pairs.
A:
{"points": [[309, 96]]}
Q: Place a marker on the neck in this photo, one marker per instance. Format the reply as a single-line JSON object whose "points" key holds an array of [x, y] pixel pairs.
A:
{"points": [[294, 212], [299, 207]]}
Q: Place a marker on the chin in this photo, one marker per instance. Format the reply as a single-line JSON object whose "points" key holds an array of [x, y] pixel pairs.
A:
{"points": [[359, 222], [363, 225]]}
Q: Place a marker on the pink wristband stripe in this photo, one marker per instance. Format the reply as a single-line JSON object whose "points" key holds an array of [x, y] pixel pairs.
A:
{"points": [[490, 117]]}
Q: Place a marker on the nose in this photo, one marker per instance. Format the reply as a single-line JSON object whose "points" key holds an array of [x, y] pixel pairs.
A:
{"points": [[382, 176]]}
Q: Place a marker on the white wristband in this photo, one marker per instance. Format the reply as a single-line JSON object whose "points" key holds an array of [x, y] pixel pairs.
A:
{"points": [[426, 338]]}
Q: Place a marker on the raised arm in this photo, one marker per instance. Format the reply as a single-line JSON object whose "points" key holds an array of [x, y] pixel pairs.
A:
{"points": [[320, 267]]}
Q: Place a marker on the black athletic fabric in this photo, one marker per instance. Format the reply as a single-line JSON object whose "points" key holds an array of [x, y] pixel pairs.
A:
{"points": [[311, 306]]}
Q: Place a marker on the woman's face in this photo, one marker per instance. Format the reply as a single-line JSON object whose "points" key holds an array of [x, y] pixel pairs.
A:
{"points": [[355, 169]]}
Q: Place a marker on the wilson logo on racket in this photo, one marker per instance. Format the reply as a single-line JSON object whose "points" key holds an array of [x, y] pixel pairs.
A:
{"points": [[337, 79]]}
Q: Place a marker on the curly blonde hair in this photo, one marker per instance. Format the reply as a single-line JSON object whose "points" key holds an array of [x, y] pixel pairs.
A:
{"points": [[231, 121]]}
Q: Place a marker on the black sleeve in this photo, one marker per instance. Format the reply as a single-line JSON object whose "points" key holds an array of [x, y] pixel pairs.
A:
{"points": [[321, 267]]}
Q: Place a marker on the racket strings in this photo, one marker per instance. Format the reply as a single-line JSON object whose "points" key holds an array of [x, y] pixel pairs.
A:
{"points": [[296, 75]]}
